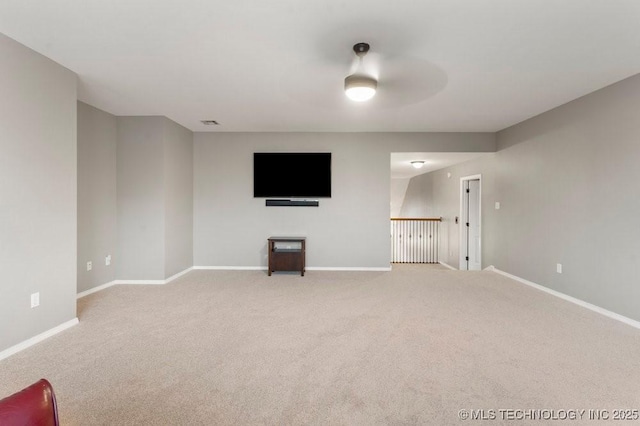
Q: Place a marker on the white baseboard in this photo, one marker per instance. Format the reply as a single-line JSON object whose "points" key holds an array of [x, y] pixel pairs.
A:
{"points": [[156, 282], [37, 339], [231, 268], [137, 282], [95, 289], [132, 282], [307, 268], [178, 275], [598, 309], [348, 268], [448, 266]]}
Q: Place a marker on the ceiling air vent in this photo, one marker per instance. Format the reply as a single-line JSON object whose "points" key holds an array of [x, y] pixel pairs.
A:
{"points": [[210, 122]]}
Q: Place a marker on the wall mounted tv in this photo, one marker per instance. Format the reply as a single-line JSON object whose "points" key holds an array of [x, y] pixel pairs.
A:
{"points": [[292, 174]]}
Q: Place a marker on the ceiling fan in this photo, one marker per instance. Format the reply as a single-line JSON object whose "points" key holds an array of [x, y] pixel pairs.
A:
{"points": [[406, 79], [360, 86], [384, 77]]}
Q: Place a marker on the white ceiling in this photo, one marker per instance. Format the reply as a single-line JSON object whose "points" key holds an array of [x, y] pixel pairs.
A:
{"points": [[256, 65]]}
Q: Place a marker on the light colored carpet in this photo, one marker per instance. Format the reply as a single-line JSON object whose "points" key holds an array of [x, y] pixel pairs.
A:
{"points": [[411, 346]]}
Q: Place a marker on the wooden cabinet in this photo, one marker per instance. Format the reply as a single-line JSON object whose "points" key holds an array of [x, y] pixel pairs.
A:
{"points": [[286, 254]]}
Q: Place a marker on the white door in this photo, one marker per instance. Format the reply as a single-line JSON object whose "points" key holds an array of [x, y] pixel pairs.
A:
{"points": [[470, 253]]}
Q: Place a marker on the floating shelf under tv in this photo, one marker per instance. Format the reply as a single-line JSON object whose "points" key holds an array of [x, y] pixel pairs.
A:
{"points": [[291, 203]]}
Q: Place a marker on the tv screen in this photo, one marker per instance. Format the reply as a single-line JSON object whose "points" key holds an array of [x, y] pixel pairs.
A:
{"points": [[292, 174]]}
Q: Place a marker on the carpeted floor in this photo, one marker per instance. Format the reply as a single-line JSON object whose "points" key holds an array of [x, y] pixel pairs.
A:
{"points": [[411, 346]]}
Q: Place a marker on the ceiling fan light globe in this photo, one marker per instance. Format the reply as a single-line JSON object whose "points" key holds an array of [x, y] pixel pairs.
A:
{"points": [[360, 88], [360, 94]]}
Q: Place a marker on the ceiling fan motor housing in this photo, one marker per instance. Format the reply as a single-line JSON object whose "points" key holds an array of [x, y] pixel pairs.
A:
{"points": [[361, 49]]}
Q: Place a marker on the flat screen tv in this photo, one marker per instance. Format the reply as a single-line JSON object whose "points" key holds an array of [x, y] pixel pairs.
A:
{"points": [[292, 174]]}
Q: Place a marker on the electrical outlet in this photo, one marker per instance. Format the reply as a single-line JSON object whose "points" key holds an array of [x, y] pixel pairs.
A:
{"points": [[89, 266], [559, 268], [107, 260], [497, 205], [35, 299]]}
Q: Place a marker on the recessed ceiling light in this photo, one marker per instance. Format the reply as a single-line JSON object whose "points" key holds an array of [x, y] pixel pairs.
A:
{"points": [[417, 164], [210, 122]]}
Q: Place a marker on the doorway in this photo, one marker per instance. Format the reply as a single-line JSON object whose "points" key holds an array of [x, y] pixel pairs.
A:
{"points": [[470, 223]]}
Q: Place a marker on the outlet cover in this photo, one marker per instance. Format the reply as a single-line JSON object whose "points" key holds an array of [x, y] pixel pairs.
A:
{"points": [[107, 260], [559, 268], [89, 266], [497, 205], [35, 299]]}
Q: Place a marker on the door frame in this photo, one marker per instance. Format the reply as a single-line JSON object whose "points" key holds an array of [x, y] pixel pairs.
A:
{"points": [[461, 223]]}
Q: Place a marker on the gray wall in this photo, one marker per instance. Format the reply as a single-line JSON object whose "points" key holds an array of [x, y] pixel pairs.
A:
{"points": [[178, 202], [155, 198], [97, 207], [37, 193], [350, 229], [398, 190], [418, 199], [140, 194], [565, 182]]}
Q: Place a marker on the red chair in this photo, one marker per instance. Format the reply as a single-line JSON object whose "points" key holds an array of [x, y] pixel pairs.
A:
{"points": [[34, 405]]}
